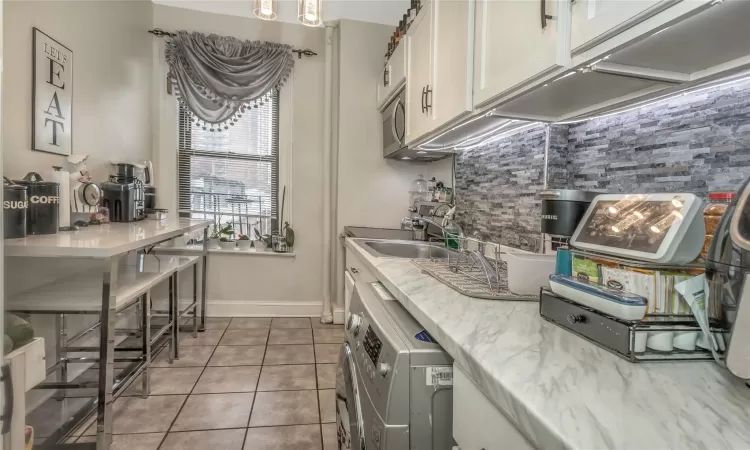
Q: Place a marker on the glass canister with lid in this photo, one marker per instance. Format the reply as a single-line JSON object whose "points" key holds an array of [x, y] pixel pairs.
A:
{"points": [[418, 192], [718, 202]]}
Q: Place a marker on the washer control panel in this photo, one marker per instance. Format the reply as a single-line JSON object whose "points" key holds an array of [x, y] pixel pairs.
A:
{"points": [[372, 345]]}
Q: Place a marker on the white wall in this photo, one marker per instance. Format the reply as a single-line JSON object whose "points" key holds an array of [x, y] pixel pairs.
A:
{"points": [[111, 109], [372, 191], [254, 285], [111, 80]]}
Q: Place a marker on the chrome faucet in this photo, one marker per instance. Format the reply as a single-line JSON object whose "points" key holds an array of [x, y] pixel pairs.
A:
{"points": [[418, 227]]}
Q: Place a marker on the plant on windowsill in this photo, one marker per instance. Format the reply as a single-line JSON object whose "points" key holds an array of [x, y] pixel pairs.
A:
{"points": [[262, 243], [227, 243], [218, 232], [243, 242]]}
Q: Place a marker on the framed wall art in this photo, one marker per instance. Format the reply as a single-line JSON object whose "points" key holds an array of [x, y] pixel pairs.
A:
{"points": [[52, 96]]}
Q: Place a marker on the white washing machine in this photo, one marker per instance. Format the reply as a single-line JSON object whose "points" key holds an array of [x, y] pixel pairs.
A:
{"points": [[394, 384]]}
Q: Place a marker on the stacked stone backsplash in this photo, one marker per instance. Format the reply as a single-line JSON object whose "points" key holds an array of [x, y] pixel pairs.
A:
{"points": [[497, 184], [696, 143]]}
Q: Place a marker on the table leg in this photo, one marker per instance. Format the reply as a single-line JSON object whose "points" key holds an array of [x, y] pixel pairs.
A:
{"points": [[173, 321], [106, 354], [203, 280], [61, 342], [176, 313], [195, 300], [146, 321]]}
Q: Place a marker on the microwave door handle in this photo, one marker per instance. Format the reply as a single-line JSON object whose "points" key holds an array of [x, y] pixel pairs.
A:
{"points": [[394, 131]]}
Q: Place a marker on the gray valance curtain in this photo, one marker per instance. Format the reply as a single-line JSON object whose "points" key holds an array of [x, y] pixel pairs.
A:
{"points": [[218, 77]]}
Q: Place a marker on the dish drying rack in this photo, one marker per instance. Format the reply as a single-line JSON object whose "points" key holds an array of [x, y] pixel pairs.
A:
{"points": [[474, 269]]}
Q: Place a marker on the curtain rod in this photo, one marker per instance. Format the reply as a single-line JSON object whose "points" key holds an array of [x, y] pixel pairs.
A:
{"points": [[158, 32]]}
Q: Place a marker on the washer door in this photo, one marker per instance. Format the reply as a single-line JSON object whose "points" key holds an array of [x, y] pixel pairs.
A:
{"points": [[348, 409]]}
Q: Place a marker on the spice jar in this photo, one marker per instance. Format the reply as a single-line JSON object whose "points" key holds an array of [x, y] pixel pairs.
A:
{"points": [[717, 206]]}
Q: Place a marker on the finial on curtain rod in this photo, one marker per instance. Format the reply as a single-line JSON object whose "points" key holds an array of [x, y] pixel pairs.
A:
{"points": [[158, 32]]}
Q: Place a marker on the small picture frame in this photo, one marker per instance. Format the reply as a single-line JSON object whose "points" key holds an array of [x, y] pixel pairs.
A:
{"points": [[51, 96]]}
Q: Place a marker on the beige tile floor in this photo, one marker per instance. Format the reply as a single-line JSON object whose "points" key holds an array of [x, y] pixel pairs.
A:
{"points": [[243, 384]]}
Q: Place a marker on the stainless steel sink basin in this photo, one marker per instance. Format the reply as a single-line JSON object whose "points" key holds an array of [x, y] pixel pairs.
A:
{"points": [[410, 250]]}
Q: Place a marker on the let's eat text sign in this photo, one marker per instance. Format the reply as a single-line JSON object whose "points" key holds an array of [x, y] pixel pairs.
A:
{"points": [[52, 96]]}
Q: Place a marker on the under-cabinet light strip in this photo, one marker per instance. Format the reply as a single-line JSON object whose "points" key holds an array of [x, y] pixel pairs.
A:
{"points": [[657, 101]]}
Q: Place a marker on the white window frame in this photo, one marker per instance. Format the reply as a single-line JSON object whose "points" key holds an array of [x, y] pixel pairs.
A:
{"points": [[166, 141]]}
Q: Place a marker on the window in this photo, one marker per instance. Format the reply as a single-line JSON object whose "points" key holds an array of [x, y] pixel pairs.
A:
{"points": [[232, 175]]}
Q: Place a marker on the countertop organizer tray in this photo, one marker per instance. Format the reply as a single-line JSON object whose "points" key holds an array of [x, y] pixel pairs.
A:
{"points": [[621, 337]]}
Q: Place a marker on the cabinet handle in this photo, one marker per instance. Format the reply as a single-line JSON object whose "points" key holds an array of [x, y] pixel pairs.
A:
{"points": [[7, 415], [427, 105], [386, 77], [424, 99], [545, 16]]}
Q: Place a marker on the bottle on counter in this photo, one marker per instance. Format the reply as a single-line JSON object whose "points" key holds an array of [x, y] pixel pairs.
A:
{"points": [[718, 202]]}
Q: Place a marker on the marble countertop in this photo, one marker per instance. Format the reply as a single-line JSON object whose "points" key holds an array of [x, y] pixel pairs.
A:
{"points": [[102, 241], [561, 391]]}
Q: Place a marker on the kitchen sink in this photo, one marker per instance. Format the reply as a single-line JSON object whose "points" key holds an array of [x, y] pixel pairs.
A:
{"points": [[410, 250]]}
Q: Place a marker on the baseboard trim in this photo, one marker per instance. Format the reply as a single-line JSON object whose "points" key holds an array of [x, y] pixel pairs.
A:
{"points": [[338, 316], [262, 309]]}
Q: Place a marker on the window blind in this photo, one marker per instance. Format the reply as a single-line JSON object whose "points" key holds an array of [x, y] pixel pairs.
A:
{"points": [[231, 175]]}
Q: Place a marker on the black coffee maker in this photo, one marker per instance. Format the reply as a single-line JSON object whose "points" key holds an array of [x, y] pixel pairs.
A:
{"points": [[562, 209], [123, 194]]}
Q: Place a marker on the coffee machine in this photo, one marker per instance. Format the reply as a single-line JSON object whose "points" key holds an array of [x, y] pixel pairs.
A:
{"points": [[124, 193], [728, 275], [562, 209]]}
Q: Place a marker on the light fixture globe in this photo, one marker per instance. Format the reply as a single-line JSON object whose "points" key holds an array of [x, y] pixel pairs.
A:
{"points": [[265, 9], [309, 12]]}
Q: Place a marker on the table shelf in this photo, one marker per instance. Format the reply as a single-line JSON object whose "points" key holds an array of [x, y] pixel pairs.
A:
{"points": [[82, 293]]}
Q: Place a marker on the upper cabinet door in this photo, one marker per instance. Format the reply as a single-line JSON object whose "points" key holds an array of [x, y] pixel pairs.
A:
{"points": [[595, 21], [453, 59], [393, 75], [420, 113], [517, 42]]}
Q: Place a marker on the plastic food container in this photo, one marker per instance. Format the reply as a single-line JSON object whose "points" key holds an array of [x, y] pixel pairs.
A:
{"points": [[528, 272], [717, 206]]}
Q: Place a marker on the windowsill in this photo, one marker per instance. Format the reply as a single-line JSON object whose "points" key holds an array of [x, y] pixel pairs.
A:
{"points": [[219, 251]]}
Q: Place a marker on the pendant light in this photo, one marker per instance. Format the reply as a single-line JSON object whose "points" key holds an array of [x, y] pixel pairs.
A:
{"points": [[265, 9], [309, 12]]}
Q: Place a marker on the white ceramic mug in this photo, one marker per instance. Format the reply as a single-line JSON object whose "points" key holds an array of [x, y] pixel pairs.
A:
{"points": [[661, 341], [685, 340], [639, 346]]}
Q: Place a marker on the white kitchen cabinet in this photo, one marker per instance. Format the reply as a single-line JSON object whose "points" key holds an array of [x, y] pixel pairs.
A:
{"points": [[357, 269], [452, 58], [393, 76], [419, 114], [517, 42], [348, 292], [596, 20], [477, 423], [439, 66]]}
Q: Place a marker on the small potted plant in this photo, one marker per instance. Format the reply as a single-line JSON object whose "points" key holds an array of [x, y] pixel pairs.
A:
{"points": [[244, 242], [227, 243], [262, 243]]}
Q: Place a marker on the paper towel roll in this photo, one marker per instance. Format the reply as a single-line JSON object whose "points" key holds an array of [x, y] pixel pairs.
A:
{"points": [[63, 177]]}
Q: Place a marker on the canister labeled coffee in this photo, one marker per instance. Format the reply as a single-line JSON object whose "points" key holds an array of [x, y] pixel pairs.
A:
{"points": [[15, 206], [44, 203]]}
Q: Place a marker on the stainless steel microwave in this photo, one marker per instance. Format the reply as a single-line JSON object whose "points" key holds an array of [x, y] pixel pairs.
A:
{"points": [[394, 125]]}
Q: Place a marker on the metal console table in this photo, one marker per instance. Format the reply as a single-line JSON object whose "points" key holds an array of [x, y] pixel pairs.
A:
{"points": [[108, 244]]}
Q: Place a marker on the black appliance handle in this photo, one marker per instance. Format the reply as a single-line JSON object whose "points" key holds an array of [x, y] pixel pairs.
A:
{"points": [[545, 16], [148, 175], [7, 379], [33, 176]]}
